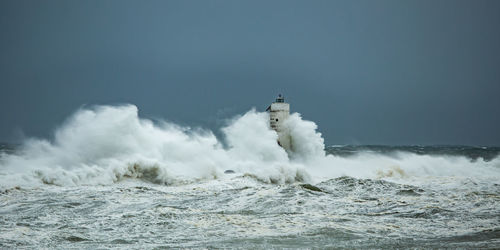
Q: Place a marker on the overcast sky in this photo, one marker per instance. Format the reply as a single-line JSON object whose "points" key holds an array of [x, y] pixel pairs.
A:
{"points": [[367, 72]]}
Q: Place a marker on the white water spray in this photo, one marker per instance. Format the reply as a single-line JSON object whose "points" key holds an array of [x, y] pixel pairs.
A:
{"points": [[105, 144]]}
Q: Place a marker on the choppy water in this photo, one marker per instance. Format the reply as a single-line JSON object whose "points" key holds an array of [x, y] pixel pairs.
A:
{"points": [[83, 189]]}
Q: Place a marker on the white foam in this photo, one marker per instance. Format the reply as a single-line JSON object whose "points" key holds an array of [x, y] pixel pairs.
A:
{"points": [[105, 144]]}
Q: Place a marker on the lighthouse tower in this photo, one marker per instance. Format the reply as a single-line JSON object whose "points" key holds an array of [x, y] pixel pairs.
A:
{"points": [[278, 113]]}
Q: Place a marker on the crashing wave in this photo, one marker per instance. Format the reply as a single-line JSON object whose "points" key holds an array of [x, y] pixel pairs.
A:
{"points": [[106, 144]]}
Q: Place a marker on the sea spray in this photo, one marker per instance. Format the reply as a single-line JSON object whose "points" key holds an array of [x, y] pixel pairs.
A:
{"points": [[107, 144], [307, 143]]}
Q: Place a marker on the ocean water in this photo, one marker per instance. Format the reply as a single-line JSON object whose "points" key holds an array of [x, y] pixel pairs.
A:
{"points": [[110, 179]]}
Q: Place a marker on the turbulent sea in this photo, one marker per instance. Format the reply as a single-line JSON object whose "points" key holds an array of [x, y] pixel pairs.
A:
{"points": [[110, 179]]}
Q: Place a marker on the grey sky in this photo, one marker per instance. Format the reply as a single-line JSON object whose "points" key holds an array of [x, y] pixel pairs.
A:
{"points": [[367, 72]]}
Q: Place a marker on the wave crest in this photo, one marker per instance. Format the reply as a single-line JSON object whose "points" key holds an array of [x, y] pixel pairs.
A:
{"points": [[106, 144]]}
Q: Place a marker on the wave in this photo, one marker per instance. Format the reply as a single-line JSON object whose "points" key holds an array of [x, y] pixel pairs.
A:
{"points": [[106, 144]]}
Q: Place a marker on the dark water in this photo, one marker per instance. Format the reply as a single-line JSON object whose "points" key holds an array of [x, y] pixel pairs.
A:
{"points": [[471, 152], [8, 148]]}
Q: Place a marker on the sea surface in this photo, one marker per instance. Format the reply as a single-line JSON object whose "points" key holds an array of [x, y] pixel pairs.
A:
{"points": [[161, 186], [239, 211]]}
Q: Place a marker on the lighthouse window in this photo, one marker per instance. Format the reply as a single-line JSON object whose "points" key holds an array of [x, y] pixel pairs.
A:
{"points": [[276, 119]]}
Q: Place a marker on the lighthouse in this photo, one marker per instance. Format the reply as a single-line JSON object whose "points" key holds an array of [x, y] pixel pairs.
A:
{"points": [[278, 113]]}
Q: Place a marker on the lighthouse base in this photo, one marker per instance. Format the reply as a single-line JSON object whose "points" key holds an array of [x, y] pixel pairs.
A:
{"points": [[285, 141]]}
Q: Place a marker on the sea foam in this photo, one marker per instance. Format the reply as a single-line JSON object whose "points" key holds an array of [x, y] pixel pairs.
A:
{"points": [[106, 144]]}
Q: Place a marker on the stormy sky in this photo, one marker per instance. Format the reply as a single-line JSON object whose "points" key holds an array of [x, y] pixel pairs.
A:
{"points": [[367, 72]]}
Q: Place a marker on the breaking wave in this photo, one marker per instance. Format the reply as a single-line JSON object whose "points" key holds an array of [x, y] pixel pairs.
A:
{"points": [[106, 144]]}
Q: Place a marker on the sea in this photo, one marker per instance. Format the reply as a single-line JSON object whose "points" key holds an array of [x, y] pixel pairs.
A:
{"points": [[108, 178]]}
